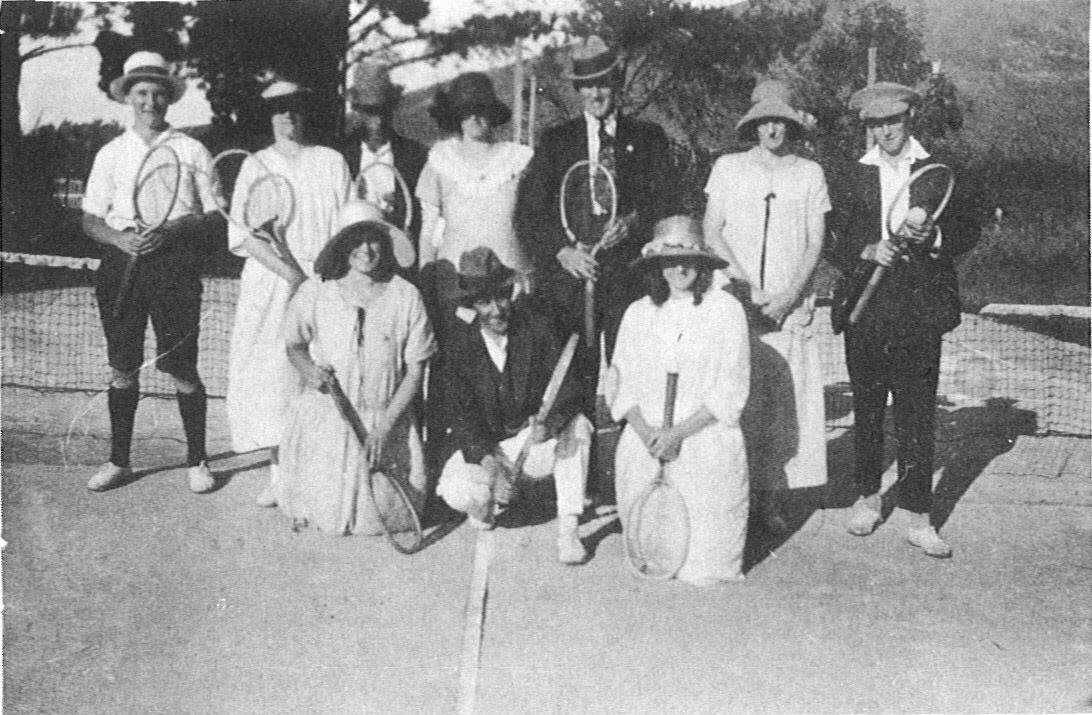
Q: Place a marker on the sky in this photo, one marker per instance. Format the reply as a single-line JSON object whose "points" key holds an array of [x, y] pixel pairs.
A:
{"points": [[62, 86]]}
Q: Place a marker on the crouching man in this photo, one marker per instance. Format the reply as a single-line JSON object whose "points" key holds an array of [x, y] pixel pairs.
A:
{"points": [[497, 368]]}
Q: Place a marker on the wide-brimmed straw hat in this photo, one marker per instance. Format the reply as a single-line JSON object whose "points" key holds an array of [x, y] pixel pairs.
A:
{"points": [[282, 95], [480, 273], [883, 99], [592, 59], [772, 100], [472, 93], [358, 211], [678, 237], [147, 67], [371, 87]]}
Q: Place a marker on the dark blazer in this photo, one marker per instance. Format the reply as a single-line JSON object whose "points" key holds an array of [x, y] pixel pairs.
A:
{"points": [[486, 406], [409, 158], [645, 180], [917, 297]]}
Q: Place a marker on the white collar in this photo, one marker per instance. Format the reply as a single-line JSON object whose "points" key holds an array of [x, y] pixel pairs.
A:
{"points": [[913, 151], [610, 123]]}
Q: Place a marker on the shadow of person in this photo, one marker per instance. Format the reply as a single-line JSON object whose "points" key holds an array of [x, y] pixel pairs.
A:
{"points": [[968, 439]]}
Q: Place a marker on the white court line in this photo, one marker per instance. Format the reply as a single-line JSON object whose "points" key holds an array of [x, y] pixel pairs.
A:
{"points": [[473, 628]]}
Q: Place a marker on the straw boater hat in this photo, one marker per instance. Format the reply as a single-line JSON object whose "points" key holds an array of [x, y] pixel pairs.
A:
{"points": [[282, 95], [678, 237], [591, 59], [472, 93], [772, 100], [355, 212], [883, 99], [147, 67], [371, 87], [480, 272]]}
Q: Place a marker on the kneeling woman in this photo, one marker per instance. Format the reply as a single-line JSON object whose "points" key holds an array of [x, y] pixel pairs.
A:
{"points": [[685, 328], [366, 326]]}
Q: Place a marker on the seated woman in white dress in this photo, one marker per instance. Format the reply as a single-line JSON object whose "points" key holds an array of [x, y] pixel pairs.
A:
{"points": [[684, 327], [361, 323]]}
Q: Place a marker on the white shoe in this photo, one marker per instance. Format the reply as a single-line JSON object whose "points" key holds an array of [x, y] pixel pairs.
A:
{"points": [[570, 550], [201, 479], [927, 539], [864, 519], [109, 476], [478, 524]]}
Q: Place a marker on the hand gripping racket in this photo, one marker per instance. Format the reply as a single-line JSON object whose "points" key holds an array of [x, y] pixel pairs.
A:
{"points": [[657, 530], [390, 492], [925, 186], [589, 208], [154, 196], [268, 207], [370, 188]]}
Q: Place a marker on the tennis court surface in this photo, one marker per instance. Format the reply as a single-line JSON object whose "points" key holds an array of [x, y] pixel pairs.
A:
{"points": [[151, 599]]}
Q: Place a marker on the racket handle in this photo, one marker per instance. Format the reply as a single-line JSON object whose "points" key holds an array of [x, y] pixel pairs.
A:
{"points": [[124, 288], [589, 314], [671, 390], [866, 294]]}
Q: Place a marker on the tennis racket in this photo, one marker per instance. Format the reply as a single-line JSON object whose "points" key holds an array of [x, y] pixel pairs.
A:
{"points": [[269, 204], [588, 202], [657, 530], [390, 493], [370, 187], [154, 196], [930, 186], [548, 397]]}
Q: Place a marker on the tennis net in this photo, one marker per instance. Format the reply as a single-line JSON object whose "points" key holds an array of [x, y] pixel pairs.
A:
{"points": [[1035, 358]]}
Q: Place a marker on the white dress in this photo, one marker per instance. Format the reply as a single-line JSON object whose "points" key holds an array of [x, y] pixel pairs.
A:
{"points": [[784, 422], [261, 381], [707, 346], [323, 475], [477, 205]]}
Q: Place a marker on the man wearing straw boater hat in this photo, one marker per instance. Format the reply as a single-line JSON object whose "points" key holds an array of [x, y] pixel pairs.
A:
{"points": [[894, 346], [372, 99], [166, 284], [637, 153], [496, 373]]}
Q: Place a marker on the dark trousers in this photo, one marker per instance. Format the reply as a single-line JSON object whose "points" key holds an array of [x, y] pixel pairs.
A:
{"points": [[907, 368]]}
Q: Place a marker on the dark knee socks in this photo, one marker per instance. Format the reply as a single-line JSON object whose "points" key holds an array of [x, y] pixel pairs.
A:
{"points": [[192, 406], [122, 404]]}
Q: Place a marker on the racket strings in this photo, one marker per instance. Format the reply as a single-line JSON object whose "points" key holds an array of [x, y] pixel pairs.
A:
{"points": [[270, 199], [158, 181], [587, 201], [657, 532]]}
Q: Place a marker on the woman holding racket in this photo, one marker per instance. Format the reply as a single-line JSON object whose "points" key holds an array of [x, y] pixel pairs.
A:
{"points": [[684, 328], [261, 381], [150, 176], [359, 322], [766, 216]]}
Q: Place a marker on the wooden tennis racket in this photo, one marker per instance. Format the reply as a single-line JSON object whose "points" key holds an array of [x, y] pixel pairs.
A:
{"points": [[267, 207], [657, 530], [588, 203], [549, 397], [369, 187], [155, 193], [929, 186], [391, 494]]}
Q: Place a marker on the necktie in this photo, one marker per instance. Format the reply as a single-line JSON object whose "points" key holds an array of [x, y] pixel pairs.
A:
{"points": [[606, 160]]}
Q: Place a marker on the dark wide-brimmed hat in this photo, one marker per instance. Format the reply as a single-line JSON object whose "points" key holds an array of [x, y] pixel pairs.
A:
{"points": [[772, 100], [480, 273], [371, 87], [473, 94], [882, 100], [147, 67], [359, 211], [283, 96], [678, 237], [592, 59]]}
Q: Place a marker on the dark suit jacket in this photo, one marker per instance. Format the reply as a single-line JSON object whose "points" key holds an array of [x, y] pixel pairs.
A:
{"points": [[918, 297], [409, 158], [645, 180], [486, 406]]}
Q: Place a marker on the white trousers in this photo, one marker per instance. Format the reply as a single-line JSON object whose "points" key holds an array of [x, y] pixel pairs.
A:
{"points": [[467, 487]]}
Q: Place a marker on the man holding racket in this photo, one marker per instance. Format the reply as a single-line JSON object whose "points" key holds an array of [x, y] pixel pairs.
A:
{"points": [[637, 154], [894, 346], [165, 281], [498, 372]]}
